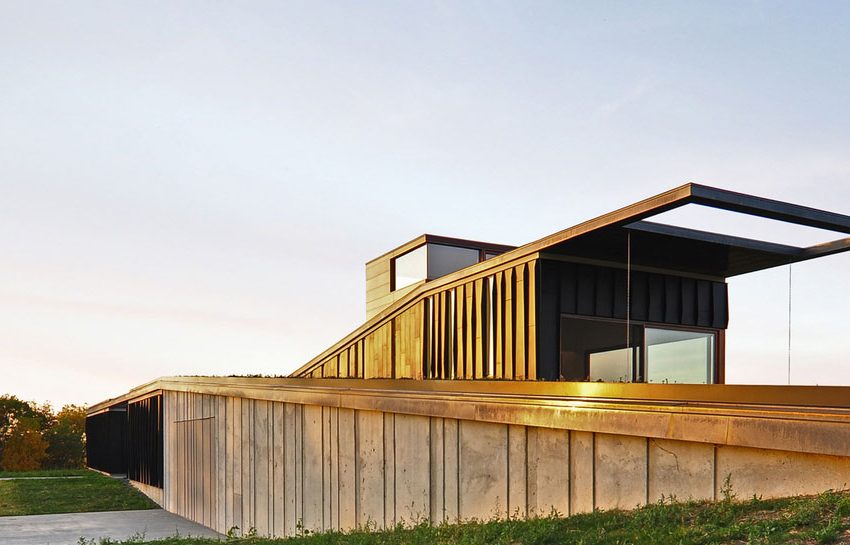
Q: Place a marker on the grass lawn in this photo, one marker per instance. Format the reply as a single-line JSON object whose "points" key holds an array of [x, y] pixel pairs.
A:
{"points": [[88, 491], [804, 520], [44, 473]]}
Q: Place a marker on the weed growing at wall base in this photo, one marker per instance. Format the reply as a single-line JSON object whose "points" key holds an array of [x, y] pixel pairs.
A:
{"points": [[801, 520]]}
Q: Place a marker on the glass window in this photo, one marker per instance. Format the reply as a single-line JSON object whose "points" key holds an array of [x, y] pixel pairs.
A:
{"points": [[611, 365], [443, 260], [490, 255], [411, 268], [679, 357], [596, 350]]}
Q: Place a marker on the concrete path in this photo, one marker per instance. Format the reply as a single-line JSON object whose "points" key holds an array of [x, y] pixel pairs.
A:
{"points": [[67, 529]]}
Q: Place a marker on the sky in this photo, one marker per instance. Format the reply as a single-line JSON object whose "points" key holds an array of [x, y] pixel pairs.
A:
{"points": [[194, 187]]}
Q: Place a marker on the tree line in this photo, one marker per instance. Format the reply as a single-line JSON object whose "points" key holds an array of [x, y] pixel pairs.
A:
{"points": [[35, 437]]}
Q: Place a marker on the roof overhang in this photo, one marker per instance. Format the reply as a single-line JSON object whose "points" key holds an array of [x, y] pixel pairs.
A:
{"points": [[626, 236]]}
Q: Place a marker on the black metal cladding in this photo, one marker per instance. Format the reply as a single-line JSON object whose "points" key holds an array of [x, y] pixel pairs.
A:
{"points": [[592, 290], [144, 420], [106, 441]]}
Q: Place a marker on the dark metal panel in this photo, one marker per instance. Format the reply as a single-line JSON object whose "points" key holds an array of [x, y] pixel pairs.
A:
{"points": [[549, 304], [586, 285], [106, 441], [621, 294], [689, 299], [604, 292], [144, 420], [567, 282], [655, 312], [672, 300], [704, 306], [639, 296], [720, 301]]}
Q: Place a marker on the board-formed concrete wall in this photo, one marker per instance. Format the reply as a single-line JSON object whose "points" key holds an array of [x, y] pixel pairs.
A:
{"points": [[281, 468]]}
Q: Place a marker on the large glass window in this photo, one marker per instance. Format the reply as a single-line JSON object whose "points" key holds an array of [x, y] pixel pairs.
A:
{"points": [[597, 350], [605, 351], [431, 261], [443, 260], [679, 357], [615, 365], [410, 268]]}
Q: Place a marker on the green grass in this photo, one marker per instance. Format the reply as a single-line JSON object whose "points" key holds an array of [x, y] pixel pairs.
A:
{"points": [[45, 473], [805, 520], [91, 492]]}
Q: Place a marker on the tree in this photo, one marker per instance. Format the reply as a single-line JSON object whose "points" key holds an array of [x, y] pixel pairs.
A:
{"points": [[12, 410], [65, 445], [24, 448]]}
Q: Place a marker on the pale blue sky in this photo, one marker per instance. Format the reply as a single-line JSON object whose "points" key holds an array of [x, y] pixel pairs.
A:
{"points": [[194, 187]]}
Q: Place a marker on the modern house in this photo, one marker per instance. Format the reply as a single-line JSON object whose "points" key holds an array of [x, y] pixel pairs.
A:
{"points": [[584, 370]]}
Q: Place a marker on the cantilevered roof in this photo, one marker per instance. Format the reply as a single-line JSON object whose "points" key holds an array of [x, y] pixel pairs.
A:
{"points": [[626, 236]]}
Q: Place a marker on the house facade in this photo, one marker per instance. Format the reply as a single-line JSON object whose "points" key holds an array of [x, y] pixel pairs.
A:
{"points": [[581, 371]]}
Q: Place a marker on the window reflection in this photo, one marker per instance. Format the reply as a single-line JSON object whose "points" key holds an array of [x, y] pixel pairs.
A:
{"points": [[679, 357], [431, 261], [611, 365], [411, 268], [596, 350], [443, 259], [599, 350]]}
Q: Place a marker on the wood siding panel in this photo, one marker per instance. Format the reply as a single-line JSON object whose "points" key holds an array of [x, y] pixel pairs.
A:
{"points": [[460, 327], [531, 320], [479, 323], [278, 498], [509, 326], [369, 439], [313, 477], [499, 326], [521, 314], [347, 491], [262, 520]]}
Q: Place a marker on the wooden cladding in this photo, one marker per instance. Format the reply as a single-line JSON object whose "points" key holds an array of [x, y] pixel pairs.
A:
{"points": [[482, 328]]}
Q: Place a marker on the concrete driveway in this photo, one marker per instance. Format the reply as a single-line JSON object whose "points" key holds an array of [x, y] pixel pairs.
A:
{"points": [[67, 529]]}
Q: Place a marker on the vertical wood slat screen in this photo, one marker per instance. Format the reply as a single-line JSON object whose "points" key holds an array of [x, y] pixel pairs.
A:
{"points": [[481, 329]]}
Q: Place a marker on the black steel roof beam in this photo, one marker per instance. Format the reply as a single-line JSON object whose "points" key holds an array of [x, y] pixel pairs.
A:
{"points": [[769, 208], [715, 238]]}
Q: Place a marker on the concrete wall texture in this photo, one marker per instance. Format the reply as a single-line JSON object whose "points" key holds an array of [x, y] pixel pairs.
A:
{"points": [[281, 467]]}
